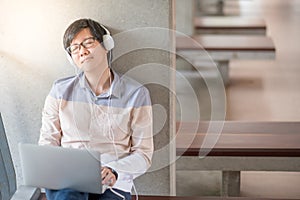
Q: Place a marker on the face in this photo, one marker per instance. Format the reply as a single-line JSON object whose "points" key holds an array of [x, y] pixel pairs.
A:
{"points": [[93, 57]]}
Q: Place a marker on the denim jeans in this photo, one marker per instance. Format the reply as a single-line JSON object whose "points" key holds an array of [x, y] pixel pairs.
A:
{"points": [[69, 194]]}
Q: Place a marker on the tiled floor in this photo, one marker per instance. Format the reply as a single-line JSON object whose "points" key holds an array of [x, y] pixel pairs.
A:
{"points": [[260, 91]]}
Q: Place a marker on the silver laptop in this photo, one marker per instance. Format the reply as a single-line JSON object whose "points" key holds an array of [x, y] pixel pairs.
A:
{"points": [[58, 168]]}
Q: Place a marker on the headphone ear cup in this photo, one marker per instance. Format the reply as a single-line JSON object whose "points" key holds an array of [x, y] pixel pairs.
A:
{"points": [[108, 42]]}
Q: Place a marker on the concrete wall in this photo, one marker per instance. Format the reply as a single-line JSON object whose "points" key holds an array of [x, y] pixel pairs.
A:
{"points": [[32, 57], [184, 16]]}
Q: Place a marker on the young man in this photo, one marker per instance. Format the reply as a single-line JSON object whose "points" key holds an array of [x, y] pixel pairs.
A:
{"points": [[99, 109]]}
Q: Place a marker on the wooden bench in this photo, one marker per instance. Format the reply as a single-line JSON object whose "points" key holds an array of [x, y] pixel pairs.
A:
{"points": [[217, 7], [238, 146], [7, 175], [198, 49], [230, 25]]}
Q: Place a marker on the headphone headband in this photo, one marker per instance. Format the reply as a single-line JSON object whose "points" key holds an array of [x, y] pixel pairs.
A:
{"points": [[106, 30]]}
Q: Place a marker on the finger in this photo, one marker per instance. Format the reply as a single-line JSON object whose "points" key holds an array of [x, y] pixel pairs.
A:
{"points": [[107, 182], [110, 179], [104, 173]]}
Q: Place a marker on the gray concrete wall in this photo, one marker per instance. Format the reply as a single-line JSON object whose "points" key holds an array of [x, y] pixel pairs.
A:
{"points": [[184, 16], [32, 57]]}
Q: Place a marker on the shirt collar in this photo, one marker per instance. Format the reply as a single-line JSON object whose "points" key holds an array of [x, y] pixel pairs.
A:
{"points": [[114, 90]]}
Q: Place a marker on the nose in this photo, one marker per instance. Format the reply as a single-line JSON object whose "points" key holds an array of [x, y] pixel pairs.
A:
{"points": [[83, 51]]}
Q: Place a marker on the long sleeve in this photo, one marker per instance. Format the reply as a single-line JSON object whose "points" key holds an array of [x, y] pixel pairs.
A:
{"points": [[50, 132]]}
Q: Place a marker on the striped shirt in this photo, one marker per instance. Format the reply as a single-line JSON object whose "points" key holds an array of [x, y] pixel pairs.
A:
{"points": [[117, 123]]}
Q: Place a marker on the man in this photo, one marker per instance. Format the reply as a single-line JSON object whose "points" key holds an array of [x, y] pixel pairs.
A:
{"points": [[99, 109]]}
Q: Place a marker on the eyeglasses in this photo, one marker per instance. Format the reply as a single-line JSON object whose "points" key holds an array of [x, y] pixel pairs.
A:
{"points": [[87, 43]]}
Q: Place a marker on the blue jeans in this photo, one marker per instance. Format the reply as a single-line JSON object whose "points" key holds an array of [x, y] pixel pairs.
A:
{"points": [[69, 194]]}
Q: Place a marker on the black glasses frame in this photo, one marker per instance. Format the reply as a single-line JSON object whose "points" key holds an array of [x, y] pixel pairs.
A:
{"points": [[86, 43]]}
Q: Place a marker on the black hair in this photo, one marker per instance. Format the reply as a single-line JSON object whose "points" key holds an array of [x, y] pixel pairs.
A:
{"points": [[96, 30]]}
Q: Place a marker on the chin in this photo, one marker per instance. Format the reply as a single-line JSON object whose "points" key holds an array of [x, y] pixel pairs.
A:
{"points": [[88, 68]]}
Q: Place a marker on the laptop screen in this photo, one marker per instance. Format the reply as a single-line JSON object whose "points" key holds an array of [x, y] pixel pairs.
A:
{"points": [[59, 168]]}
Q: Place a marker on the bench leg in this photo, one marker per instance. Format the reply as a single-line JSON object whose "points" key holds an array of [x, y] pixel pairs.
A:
{"points": [[231, 183], [220, 7], [223, 67]]}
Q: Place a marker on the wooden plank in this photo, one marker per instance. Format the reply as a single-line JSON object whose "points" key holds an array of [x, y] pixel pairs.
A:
{"points": [[241, 126], [225, 43], [229, 23], [267, 141]]}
